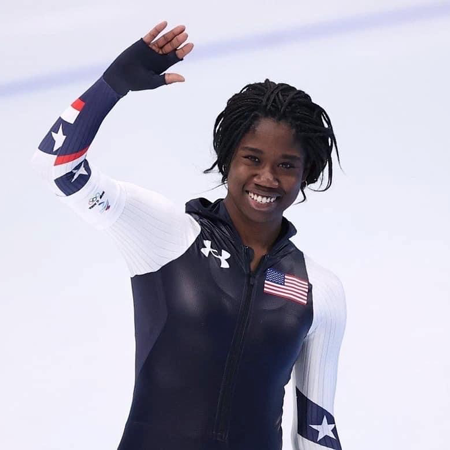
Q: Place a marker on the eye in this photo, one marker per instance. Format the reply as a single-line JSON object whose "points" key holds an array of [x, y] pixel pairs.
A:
{"points": [[255, 159], [250, 156], [290, 165]]}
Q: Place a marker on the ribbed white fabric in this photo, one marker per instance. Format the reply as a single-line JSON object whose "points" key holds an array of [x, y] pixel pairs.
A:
{"points": [[304, 444], [149, 229], [315, 371], [82, 202], [152, 230], [42, 163]]}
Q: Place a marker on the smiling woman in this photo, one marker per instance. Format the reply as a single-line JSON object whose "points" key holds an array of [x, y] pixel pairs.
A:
{"points": [[271, 141], [227, 308], [307, 125], [254, 180]]}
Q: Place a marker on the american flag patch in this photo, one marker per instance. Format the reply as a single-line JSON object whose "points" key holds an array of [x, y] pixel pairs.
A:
{"points": [[286, 286]]}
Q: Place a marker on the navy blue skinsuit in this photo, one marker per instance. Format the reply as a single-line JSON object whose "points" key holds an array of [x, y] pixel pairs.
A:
{"points": [[214, 348], [214, 352]]}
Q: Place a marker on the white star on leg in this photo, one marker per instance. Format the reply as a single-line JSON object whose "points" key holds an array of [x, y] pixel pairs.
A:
{"points": [[59, 138], [324, 429], [80, 171]]}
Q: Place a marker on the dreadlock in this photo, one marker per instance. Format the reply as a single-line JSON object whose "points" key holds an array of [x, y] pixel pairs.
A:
{"points": [[282, 102]]}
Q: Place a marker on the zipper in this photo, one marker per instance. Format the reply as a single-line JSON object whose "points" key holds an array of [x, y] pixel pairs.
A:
{"points": [[220, 432]]}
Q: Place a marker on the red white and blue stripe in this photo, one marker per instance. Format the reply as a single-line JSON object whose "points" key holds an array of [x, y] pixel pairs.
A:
{"points": [[286, 286], [68, 141]]}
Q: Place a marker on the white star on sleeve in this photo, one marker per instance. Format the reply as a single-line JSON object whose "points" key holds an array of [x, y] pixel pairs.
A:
{"points": [[78, 172], [59, 138], [324, 429]]}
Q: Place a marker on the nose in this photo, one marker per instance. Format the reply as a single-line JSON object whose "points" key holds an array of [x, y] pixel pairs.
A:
{"points": [[267, 178]]}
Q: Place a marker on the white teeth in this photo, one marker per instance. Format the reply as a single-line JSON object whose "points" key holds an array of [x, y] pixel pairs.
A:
{"points": [[261, 199]]}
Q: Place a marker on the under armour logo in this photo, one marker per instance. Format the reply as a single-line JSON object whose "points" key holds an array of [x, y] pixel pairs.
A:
{"points": [[225, 255]]}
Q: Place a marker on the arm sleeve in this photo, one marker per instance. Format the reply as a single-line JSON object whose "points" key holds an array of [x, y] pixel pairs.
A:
{"points": [[315, 371], [149, 229]]}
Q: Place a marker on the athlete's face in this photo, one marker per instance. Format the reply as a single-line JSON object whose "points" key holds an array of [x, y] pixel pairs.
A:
{"points": [[268, 161]]}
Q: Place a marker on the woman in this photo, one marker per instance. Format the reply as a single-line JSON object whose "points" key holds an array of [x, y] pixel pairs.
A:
{"points": [[226, 306]]}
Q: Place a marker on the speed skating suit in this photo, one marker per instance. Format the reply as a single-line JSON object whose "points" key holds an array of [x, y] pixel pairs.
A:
{"points": [[215, 342]]}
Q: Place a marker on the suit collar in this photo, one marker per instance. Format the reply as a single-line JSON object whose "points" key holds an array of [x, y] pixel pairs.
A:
{"points": [[217, 212]]}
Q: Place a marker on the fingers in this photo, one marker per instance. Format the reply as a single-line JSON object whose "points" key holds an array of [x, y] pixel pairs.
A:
{"points": [[169, 41], [172, 34], [183, 51], [154, 32], [174, 43], [173, 78]]}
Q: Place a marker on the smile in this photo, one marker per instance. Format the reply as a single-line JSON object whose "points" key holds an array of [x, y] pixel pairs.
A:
{"points": [[261, 202]]}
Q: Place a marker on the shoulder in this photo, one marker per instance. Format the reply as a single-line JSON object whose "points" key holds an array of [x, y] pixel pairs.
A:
{"points": [[152, 230], [318, 274], [328, 294], [155, 207]]}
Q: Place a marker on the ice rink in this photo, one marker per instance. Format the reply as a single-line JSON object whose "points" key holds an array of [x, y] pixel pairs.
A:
{"points": [[380, 69]]}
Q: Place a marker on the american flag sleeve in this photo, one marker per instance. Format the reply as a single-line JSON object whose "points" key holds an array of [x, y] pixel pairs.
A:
{"points": [[315, 371], [148, 228], [61, 158]]}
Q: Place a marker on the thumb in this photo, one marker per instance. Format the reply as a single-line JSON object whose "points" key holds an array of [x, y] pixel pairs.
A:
{"points": [[173, 78]]}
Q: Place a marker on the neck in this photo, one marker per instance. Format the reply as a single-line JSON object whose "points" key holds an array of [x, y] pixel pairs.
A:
{"points": [[259, 236]]}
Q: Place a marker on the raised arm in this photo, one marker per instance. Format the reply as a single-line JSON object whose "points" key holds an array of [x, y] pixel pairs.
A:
{"points": [[315, 372], [61, 158]]}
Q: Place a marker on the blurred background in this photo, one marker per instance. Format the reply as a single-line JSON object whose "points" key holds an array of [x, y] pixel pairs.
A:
{"points": [[380, 69]]}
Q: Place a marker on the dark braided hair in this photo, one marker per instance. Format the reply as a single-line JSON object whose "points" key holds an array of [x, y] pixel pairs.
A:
{"points": [[282, 102]]}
